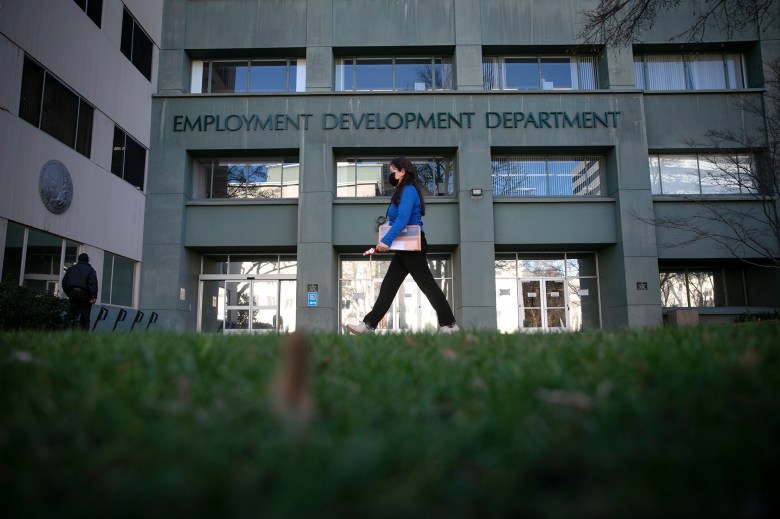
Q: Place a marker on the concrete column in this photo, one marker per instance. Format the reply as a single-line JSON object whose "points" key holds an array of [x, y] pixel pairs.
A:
{"points": [[317, 261], [468, 45], [174, 65], [319, 41], [616, 70], [475, 285]]}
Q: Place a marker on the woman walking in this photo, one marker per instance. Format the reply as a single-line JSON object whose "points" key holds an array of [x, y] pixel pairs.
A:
{"points": [[407, 207]]}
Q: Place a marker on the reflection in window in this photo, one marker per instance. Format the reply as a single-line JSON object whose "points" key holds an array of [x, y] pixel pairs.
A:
{"points": [[118, 280], [394, 74], [253, 75], [547, 175], [539, 73], [547, 292], [128, 158], [241, 178], [701, 71], [46, 257], [690, 288], [367, 177], [702, 174]]}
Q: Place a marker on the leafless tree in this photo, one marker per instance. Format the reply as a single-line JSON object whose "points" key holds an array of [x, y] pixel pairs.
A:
{"points": [[622, 22]]}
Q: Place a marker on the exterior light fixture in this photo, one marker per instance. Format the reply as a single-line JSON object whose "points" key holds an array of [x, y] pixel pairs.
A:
{"points": [[476, 192]]}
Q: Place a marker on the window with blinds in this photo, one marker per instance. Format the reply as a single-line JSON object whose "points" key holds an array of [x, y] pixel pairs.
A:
{"points": [[572, 175], [702, 71], [539, 72], [399, 74]]}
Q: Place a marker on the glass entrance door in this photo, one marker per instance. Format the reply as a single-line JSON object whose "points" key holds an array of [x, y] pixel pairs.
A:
{"points": [[251, 306], [542, 304]]}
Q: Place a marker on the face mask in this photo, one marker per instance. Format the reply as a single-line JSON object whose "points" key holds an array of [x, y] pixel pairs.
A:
{"points": [[393, 181]]}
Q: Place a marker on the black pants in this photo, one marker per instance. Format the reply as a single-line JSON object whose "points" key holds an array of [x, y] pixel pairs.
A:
{"points": [[416, 264], [79, 307]]}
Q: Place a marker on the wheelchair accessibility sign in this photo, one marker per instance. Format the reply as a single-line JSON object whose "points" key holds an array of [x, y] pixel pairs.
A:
{"points": [[312, 298]]}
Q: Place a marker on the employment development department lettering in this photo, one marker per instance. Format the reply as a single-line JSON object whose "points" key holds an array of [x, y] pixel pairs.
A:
{"points": [[394, 121]]}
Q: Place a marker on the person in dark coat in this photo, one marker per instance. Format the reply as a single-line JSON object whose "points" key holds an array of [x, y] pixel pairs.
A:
{"points": [[81, 286]]}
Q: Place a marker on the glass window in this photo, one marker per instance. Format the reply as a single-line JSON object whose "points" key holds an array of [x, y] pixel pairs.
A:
{"points": [[536, 292], [45, 258], [547, 175], [394, 74], [136, 45], [700, 71], [367, 177], [128, 159], [93, 8], [243, 178], [692, 288], [50, 105], [118, 280], [709, 174], [539, 72], [256, 75]]}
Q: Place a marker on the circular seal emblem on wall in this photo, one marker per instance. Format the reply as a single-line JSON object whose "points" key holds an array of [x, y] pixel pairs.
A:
{"points": [[55, 186]]}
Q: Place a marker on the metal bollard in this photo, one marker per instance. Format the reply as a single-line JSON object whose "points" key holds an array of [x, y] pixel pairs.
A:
{"points": [[138, 318], [101, 316], [119, 317], [152, 319]]}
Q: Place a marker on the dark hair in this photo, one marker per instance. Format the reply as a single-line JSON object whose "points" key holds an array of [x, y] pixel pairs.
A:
{"points": [[409, 179]]}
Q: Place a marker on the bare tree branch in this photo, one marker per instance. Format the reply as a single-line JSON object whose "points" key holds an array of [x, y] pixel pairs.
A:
{"points": [[622, 22]]}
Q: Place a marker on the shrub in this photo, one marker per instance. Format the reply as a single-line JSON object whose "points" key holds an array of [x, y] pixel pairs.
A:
{"points": [[24, 308], [747, 317]]}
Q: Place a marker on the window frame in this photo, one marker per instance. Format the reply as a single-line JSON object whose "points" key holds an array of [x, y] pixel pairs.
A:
{"points": [[642, 76], [589, 191], [85, 111], [498, 64], [124, 160], [206, 175], [293, 68], [136, 30], [438, 63], [656, 171], [93, 9], [430, 189]]}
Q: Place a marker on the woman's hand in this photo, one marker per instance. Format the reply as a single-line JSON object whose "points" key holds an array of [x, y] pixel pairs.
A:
{"points": [[381, 247]]}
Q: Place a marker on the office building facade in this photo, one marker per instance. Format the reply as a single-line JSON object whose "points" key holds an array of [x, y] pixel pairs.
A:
{"points": [[546, 165]]}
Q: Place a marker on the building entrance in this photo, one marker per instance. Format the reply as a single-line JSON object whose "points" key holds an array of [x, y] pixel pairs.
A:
{"points": [[543, 305]]}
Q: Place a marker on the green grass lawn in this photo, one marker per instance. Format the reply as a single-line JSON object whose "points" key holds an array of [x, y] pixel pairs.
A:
{"points": [[667, 422]]}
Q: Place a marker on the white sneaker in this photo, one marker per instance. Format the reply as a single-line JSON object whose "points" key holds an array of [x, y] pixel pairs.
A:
{"points": [[450, 328], [359, 328]]}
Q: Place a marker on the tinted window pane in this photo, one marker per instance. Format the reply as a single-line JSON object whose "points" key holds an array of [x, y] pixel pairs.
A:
{"points": [[521, 74], [126, 44], [118, 153], [95, 11], [229, 76], [142, 52], [12, 255], [413, 74], [60, 110], [84, 136], [374, 74], [268, 76], [122, 282], [135, 163], [293, 77], [82, 4], [32, 88], [557, 73]]}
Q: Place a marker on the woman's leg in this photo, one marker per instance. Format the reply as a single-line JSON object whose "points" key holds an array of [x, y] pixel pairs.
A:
{"points": [[417, 265], [396, 273]]}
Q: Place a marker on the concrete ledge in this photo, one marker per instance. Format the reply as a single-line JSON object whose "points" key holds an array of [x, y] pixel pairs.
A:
{"points": [[683, 317]]}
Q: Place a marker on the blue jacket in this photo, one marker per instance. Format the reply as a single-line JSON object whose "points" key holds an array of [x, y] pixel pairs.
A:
{"points": [[407, 212]]}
